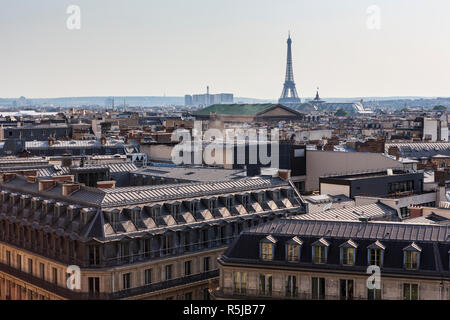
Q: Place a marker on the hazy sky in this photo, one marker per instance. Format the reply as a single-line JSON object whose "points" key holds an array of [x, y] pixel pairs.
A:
{"points": [[175, 47]]}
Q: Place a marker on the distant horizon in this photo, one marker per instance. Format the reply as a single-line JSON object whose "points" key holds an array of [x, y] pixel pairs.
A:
{"points": [[171, 48], [399, 97]]}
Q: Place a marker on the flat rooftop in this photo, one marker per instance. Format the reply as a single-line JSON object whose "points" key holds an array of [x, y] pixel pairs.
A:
{"points": [[369, 175], [201, 174]]}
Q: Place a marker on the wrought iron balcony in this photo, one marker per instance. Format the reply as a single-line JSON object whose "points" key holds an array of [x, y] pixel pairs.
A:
{"points": [[74, 295]]}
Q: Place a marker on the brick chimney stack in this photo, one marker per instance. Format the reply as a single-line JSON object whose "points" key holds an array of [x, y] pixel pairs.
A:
{"points": [[8, 177], [31, 179], [66, 178], [394, 151], [106, 184], [284, 174], [45, 185], [415, 212], [69, 188]]}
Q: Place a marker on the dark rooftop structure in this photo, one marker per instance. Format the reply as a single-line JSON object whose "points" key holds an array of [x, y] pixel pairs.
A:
{"points": [[380, 183], [433, 242], [249, 112]]}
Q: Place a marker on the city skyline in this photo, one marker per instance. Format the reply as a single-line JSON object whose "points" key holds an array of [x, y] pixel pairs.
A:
{"points": [[175, 48]]}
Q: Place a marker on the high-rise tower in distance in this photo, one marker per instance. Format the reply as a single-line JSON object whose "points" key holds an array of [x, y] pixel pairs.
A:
{"points": [[289, 95]]}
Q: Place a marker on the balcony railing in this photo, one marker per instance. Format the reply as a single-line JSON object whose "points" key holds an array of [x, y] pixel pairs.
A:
{"points": [[165, 284], [73, 295], [213, 244], [275, 294]]}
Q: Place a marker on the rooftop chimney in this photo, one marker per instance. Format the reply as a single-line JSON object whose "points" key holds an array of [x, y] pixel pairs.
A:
{"points": [[106, 184], [69, 188], [28, 173], [415, 212], [8, 177], [284, 174], [66, 178], [45, 185], [31, 179]]}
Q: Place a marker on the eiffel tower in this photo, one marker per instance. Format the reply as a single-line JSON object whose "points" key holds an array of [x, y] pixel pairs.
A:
{"points": [[289, 96]]}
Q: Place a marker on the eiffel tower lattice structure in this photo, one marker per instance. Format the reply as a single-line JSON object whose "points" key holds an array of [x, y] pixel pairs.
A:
{"points": [[289, 95]]}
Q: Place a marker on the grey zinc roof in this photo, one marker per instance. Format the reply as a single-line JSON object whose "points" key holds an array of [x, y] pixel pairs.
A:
{"points": [[356, 230], [191, 174], [328, 202], [9, 161], [121, 167], [51, 170], [73, 144], [373, 211], [142, 194], [420, 149]]}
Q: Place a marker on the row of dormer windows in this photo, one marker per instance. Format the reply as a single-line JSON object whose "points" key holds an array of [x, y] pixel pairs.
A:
{"points": [[174, 208], [348, 251], [48, 206], [211, 203]]}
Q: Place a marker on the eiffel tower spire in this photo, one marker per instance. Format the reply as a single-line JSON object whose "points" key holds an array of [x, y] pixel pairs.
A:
{"points": [[289, 95]]}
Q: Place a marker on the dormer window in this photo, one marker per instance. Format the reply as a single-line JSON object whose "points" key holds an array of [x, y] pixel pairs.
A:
{"points": [[155, 212], [175, 210], [275, 195], [375, 254], [44, 207], [13, 199], [70, 213], [261, 197], [35, 204], [23, 202], [245, 200], [320, 251], [348, 252], [193, 206], [411, 256], [267, 246], [293, 249], [229, 202], [4, 196], [290, 193], [114, 216], [212, 204], [84, 216], [135, 216]]}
